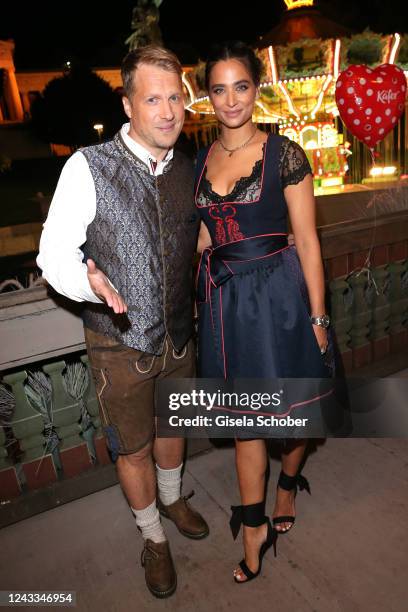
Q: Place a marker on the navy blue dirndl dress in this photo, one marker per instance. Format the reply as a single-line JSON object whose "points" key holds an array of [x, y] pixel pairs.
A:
{"points": [[251, 295]]}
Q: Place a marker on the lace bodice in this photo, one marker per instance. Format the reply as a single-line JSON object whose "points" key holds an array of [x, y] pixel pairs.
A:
{"points": [[256, 205], [293, 167]]}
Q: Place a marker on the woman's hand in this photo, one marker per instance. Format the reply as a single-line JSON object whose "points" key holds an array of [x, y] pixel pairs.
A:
{"points": [[321, 337]]}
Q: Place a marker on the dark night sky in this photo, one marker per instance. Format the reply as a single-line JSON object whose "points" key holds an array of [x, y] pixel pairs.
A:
{"points": [[48, 33]]}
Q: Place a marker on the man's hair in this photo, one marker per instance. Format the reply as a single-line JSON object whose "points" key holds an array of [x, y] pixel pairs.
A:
{"points": [[151, 54]]}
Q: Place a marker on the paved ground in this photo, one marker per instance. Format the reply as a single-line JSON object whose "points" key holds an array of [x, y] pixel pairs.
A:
{"points": [[348, 550]]}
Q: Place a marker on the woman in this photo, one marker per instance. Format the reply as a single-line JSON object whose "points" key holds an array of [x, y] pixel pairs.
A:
{"points": [[254, 310]]}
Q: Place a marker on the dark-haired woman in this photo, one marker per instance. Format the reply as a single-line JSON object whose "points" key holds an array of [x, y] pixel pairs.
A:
{"points": [[261, 302]]}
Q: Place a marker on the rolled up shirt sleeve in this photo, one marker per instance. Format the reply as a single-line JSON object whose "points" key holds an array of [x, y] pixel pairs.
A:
{"points": [[72, 209]]}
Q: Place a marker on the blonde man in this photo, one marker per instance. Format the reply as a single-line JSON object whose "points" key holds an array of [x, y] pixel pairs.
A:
{"points": [[130, 200]]}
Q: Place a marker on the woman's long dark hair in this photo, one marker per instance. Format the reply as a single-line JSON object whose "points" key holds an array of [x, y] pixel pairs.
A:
{"points": [[234, 49]]}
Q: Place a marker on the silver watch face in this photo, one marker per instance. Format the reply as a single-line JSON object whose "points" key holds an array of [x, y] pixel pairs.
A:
{"points": [[323, 321]]}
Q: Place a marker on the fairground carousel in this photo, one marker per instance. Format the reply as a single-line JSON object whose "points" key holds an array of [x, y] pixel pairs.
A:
{"points": [[302, 58]]}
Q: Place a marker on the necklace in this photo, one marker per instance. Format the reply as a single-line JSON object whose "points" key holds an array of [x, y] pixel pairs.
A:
{"points": [[231, 151]]}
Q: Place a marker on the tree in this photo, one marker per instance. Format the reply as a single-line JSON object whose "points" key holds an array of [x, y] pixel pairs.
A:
{"points": [[72, 104]]}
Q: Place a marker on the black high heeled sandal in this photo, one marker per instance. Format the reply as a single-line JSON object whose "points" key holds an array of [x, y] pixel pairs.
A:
{"points": [[288, 483], [252, 515]]}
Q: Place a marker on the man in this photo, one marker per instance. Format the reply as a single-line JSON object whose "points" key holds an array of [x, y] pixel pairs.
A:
{"points": [[131, 201]]}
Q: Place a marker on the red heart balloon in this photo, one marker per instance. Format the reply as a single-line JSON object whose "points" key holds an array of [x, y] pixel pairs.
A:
{"points": [[371, 101]]}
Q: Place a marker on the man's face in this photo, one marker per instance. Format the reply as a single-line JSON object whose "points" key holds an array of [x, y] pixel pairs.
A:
{"points": [[155, 108]]}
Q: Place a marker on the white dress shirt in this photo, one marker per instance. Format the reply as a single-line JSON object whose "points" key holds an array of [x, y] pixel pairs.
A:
{"points": [[72, 209]]}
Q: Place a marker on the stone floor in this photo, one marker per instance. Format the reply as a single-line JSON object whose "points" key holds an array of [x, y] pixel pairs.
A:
{"points": [[347, 552]]}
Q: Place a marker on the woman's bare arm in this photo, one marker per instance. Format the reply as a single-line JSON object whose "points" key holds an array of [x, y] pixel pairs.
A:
{"points": [[302, 211], [204, 238]]}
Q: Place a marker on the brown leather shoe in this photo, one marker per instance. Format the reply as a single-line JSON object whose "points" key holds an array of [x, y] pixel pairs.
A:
{"points": [[160, 574], [187, 520]]}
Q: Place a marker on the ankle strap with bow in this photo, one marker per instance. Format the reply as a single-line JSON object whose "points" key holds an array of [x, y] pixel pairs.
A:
{"points": [[251, 515]]}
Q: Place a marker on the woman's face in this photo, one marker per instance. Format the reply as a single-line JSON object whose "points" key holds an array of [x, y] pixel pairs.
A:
{"points": [[232, 92]]}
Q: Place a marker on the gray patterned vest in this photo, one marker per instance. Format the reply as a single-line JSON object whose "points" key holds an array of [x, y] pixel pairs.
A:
{"points": [[143, 238]]}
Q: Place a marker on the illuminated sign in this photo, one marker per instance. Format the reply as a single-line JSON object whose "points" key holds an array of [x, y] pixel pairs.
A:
{"points": [[292, 4]]}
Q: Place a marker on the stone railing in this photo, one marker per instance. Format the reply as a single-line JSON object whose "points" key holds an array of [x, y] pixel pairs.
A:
{"points": [[42, 332], [32, 463], [364, 237]]}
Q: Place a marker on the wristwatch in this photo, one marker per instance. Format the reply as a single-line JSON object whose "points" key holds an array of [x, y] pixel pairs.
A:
{"points": [[321, 320]]}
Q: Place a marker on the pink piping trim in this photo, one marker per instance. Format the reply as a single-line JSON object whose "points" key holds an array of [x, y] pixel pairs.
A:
{"points": [[225, 263], [209, 270], [211, 313], [311, 400], [255, 258], [208, 296], [282, 415], [201, 175], [198, 269], [208, 274], [250, 238], [232, 201], [222, 335]]}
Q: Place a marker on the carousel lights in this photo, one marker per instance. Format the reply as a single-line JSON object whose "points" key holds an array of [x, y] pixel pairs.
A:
{"points": [[302, 79], [272, 63], [312, 144], [292, 4], [332, 181], [321, 94], [383, 170], [196, 100], [267, 111], [286, 81], [188, 86], [289, 100], [336, 61], [397, 40]]}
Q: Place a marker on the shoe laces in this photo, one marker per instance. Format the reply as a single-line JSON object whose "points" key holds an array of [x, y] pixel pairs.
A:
{"points": [[148, 554], [189, 496]]}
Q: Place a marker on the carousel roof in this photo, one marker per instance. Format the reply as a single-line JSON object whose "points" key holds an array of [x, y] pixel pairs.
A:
{"points": [[305, 22]]}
